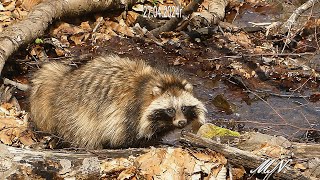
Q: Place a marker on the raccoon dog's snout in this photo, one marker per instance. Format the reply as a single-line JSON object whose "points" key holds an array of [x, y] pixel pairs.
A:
{"points": [[182, 123]]}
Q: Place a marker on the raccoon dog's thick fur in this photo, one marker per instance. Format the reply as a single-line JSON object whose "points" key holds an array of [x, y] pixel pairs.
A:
{"points": [[111, 102]]}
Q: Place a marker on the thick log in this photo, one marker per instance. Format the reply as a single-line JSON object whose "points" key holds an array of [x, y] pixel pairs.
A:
{"points": [[19, 163], [303, 150], [42, 15]]}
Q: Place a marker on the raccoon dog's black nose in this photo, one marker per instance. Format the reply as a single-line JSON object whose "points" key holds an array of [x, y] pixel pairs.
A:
{"points": [[182, 123]]}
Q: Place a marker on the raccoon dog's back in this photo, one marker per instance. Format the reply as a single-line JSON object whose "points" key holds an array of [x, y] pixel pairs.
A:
{"points": [[111, 101]]}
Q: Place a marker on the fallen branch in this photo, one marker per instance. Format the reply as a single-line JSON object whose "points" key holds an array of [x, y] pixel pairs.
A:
{"points": [[22, 87], [237, 156], [295, 15], [58, 164], [42, 15]]}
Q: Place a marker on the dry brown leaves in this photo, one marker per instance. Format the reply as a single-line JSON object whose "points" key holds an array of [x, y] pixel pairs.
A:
{"points": [[68, 35], [239, 68], [13, 10], [241, 39], [170, 163], [14, 128]]}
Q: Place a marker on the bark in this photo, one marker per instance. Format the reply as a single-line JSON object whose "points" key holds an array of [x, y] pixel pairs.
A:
{"points": [[42, 15], [302, 151], [18, 163], [217, 10], [212, 15]]}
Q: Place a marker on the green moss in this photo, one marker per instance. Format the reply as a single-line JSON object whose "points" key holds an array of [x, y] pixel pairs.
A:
{"points": [[209, 130]]}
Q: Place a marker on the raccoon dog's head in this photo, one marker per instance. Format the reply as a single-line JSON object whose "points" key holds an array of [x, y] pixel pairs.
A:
{"points": [[172, 106]]}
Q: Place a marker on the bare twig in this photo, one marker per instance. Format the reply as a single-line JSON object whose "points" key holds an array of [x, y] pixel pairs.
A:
{"points": [[100, 20], [22, 87], [279, 95], [264, 54], [300, 87], [145, 33], [315, 36], [277, 124]]}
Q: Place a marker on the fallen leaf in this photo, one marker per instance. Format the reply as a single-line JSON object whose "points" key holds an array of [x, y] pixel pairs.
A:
{"points": [[131, 18], [314, 97], [176, 163], [222, 174], [7, 106], [223, 104], [5, 15], [138, 7], [128, 173], [115, 165], [86, 26], [238, 172], [59, 52], [102, 37], [240, 38], [77, 39], [300, 166], [121, 28], [11, 6], [240, 69], [1, 7], [27, 138], [6, 2], [66, 29], [64, 41]]}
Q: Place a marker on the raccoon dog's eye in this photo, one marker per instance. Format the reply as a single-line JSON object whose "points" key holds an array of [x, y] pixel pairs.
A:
{"points": [[171, 112], [185, 109], [189, 111]]}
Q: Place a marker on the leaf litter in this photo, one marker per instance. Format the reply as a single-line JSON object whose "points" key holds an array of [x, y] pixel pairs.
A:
{"points": [[268, 69]]}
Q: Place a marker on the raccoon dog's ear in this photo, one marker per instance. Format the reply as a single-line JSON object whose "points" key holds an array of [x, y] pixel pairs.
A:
{"points": [[187, 86], [156, 91]]}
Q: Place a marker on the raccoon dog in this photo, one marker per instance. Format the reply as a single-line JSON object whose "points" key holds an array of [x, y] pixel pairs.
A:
{"points": [[111, 102]]}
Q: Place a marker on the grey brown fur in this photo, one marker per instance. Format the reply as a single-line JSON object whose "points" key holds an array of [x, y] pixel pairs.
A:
{"points": [[111, 102]]}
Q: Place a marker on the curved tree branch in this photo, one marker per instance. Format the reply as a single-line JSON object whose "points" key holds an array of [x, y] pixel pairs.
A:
{"points": [[42, 15]]}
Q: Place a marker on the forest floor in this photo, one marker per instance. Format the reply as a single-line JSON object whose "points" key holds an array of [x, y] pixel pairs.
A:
{"points": [[250, 79]]}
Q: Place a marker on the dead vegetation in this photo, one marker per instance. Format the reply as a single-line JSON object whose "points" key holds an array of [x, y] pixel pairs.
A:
{"points": [[254, 63]]}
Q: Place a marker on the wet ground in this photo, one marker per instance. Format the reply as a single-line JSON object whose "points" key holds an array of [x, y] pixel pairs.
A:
{"points": [[229, 104]]}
